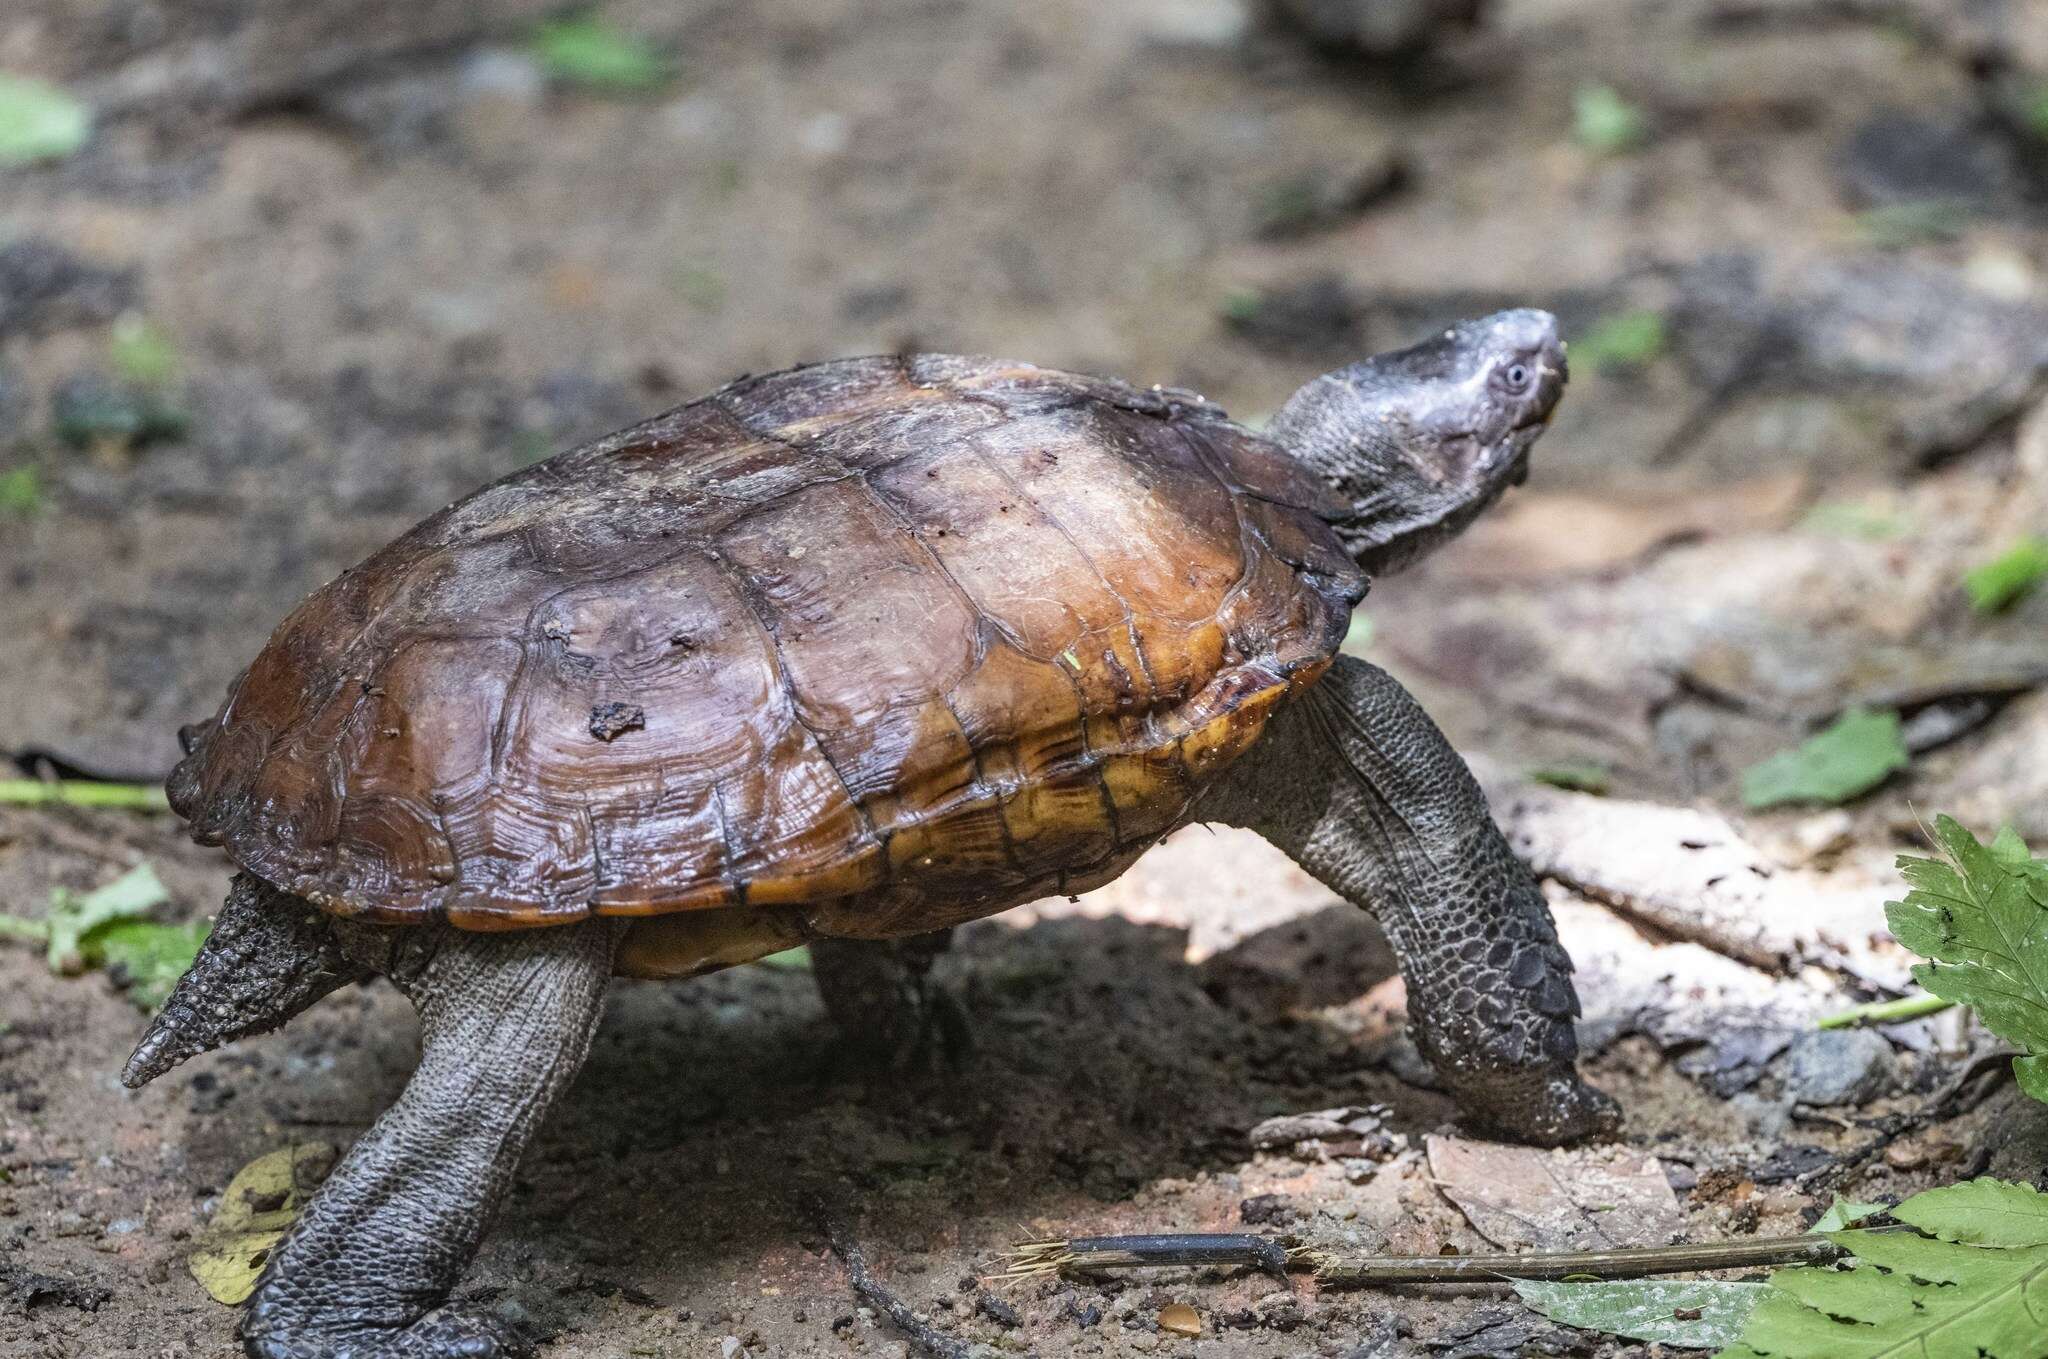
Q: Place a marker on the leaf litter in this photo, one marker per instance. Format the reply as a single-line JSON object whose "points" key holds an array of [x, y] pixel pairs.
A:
{"points": [[109, 929], [259, 1206]]}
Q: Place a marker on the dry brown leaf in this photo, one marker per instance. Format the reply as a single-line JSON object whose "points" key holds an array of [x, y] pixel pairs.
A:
{"points": [[1590, 1198]]}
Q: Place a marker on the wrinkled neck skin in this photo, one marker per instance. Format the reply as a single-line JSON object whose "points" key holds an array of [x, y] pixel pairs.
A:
{"points": [[1398, 509]]}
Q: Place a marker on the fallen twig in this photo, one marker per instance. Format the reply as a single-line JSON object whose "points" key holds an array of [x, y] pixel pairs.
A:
{"points": [[1335, 1269], [923, 1336], [1084, 1254], [132, 797], [1886, 1011]]}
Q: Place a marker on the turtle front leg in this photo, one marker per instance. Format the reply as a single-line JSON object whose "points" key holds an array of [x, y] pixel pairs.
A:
{"points": [[506, 1021], [880, 994], [1360, 788]]}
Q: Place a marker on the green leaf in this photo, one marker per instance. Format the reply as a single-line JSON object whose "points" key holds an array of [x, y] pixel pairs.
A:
{"points": [[1980, 914], [1650, 1309], [148, 957], [593, 55], [1604, 122], [1843, 1214], [1977, 1293], [2000, 582], [21, 492], [2032, 1073], [141, 353], [1626, 339], [129, 897], [796, 959], [39, 122], [2008, 848], [1848, 519], [1577, 776], [1980, 1212], [1854, 755]]}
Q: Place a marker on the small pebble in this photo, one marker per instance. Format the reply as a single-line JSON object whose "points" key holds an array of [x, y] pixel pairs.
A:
{"points": [[1838, 1066]]}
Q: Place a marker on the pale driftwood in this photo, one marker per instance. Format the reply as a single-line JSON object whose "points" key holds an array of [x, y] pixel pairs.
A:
{"points": [[1690, 874]]}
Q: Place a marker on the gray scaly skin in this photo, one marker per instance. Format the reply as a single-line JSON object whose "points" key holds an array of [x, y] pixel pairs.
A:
{"points": [[1352, 780]]}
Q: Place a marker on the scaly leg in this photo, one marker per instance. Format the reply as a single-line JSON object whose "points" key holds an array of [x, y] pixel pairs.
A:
{"points": [[880, 994], [506, 1021], [1359, 787]]}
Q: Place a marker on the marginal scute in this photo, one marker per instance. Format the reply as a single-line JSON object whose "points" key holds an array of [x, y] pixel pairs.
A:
{"points": [[903, 638]]}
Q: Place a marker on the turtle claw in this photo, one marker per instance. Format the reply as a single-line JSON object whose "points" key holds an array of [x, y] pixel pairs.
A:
{"points": [[1553, 1111], [446, 1333]]}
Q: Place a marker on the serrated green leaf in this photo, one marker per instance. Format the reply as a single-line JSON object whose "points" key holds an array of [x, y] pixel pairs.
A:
{"points": [[2009, 848], [39, 122], [1843, 1214], [2032, 1074], [1980, 1212], [1910, 1295], [1860, 750], [1650, 1309], [1980, 915]]}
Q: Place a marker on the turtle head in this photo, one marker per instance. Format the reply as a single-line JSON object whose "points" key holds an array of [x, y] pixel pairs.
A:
{"points": [[1418, 441]]}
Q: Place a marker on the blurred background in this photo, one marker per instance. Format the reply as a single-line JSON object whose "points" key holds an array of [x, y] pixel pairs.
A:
{"points": [[279, 277]]}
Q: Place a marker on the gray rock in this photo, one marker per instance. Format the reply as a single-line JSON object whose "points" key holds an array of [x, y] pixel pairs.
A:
{"points": [[1838, 1066]]}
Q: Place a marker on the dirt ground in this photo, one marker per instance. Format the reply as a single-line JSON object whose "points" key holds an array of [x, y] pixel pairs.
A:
{"points": [[395, 261]]}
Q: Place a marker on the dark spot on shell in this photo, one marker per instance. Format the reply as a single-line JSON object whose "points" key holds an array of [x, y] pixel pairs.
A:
{"points": [[609, 721]]}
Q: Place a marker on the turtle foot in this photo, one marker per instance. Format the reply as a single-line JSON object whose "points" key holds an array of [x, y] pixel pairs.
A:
{"points": [[447, 1333]]}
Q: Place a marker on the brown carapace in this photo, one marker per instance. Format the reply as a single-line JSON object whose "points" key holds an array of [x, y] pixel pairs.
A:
{"points": [[858, 649]]}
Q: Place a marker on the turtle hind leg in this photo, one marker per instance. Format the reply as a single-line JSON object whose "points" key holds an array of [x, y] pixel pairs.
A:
{"points": [[881, 996], [270, 955], [506, 1021]]}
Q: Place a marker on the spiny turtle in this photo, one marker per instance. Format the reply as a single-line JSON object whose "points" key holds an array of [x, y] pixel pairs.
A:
{"points": [[843, 656]]}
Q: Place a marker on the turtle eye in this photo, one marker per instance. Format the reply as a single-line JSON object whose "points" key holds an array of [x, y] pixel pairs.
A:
{"points": [[1514, 378]]}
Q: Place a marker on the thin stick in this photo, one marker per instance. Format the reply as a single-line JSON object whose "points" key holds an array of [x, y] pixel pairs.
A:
{"points": [[133, 797], [923, 1336], [1626, 1263], [1887, 1011], [1085, 1254], [1337, 1270]]}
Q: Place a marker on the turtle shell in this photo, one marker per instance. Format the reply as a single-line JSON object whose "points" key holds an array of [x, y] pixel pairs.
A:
{"points": [[928, 627]]}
